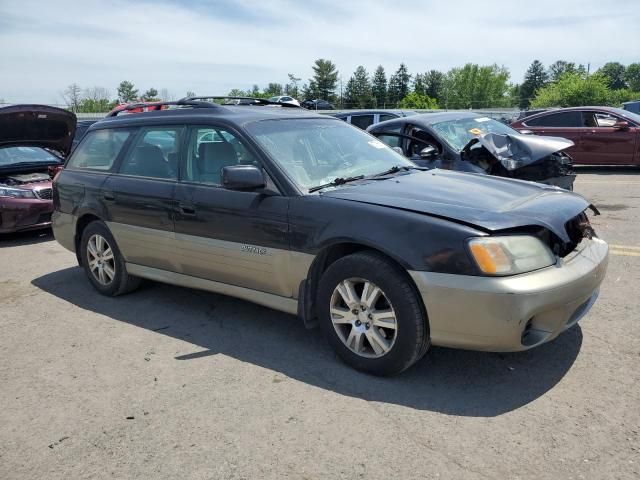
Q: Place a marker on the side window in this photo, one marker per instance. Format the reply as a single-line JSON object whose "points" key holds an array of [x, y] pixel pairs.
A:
{"points": [[154, 153], [210, 149], [562, 119], [362, 121], [604, 119], [391, 140], [99, 150], [386, 116]]}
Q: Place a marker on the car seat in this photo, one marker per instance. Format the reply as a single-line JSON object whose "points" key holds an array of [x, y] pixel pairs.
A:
{"points": [[212, 156], [148, 161]]}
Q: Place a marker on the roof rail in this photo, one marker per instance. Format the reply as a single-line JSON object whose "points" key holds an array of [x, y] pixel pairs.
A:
{"points": [[248, 100], [151, 106]]}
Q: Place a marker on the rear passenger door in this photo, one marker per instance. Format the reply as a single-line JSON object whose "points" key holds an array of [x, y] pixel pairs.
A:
{"points": [[235, 237], [139, 197], [562, 124]]}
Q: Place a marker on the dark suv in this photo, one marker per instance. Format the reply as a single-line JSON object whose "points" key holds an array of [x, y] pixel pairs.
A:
{"points": [[314, 217]]}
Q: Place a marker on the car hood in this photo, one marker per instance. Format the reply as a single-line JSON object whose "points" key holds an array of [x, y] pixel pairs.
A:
{"points": [[518, 150], [37, 126], [489, 203]]}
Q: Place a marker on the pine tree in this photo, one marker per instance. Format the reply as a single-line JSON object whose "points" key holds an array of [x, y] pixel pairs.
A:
{"points": [[362, 87], [535, 78], [325, 79], [379, 87]]}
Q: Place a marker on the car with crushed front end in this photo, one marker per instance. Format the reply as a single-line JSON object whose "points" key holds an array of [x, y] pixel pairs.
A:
{"points": [[27, 167], [471, 142], [311, 216]]}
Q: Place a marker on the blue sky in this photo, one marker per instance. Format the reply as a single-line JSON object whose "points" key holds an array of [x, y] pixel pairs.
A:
{"points": [[212, 46]]}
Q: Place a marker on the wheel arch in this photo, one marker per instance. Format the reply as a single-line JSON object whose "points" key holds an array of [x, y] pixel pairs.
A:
{"points": [[82, 222], [329, 254]]}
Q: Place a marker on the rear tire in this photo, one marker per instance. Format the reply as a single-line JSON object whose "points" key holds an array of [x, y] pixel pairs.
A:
{"points": [[371, 314], [103, 263]]}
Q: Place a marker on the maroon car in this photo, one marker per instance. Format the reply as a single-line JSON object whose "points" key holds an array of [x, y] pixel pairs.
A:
{"points": [[26, 166], [602, 135]]}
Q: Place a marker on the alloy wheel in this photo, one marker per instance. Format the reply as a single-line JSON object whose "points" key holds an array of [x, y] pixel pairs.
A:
{"points": [[100, 259], [363, 317]]}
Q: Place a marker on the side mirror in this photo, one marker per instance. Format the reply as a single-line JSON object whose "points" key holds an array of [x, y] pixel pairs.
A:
{"points": [[621, 125], [526, 132], [429, 152], [242, 177]]}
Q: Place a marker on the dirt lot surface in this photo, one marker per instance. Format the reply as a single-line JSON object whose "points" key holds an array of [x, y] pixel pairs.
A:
{"points": [[179, 384]]}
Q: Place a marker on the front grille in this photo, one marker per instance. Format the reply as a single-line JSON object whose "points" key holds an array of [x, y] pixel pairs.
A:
{"points": [[45, 193]]}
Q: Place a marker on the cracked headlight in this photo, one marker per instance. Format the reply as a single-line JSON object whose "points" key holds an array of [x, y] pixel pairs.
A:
{"points": [[16, 192], [510, 255]]}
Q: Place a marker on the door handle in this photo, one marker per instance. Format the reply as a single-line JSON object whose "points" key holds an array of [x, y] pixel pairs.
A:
{"points": [[108, 196], [187, 209]]}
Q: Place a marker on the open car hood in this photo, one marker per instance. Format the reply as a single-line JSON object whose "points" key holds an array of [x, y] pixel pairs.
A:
{"points": [[518, 150], [37, 126]]}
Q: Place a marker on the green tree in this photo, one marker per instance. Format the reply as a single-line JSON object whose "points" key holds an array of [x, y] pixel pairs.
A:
{"points": [[349, 97], [434, 83], [150, 95], [535, 78], [273, 90], [236, 92], [379, 87], [475, 86], [419, 85], [325, 79], [291, 88], [418, 101], [632, 76], [559, 68], [361, 88], [614, 74], [127, 93], [574, 90], [398, 85]]}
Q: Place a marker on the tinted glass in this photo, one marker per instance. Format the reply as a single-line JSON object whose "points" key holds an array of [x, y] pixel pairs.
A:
{"points": [[386, 116], [15, 155], [154, 153], [362, 121], [562, 119], [316, 151], [99, 149], [210, 149]]}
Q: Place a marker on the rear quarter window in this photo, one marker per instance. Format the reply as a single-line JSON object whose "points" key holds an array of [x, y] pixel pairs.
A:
{"points": [[99, 150]]}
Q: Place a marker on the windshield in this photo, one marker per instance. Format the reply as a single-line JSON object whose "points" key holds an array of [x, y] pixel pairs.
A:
{"points": [[14, 155], [457, 133], [634, 117], [317, 151]]}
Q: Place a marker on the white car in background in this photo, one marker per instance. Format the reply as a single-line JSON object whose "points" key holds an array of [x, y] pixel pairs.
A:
{"points": [[285, 99]]}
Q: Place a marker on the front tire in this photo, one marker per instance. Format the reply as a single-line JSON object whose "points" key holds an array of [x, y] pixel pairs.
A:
{"points": [[103, 263], [371, 314]]}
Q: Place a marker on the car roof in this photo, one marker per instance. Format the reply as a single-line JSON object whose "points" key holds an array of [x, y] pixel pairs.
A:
{"points": [[238, 114], [428, 119]]}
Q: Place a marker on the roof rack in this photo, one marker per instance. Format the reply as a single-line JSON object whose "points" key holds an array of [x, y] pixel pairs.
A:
{"points": [[248, 100], [151, 106]]}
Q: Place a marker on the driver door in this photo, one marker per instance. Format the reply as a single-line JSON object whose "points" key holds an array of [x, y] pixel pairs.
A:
{"points": [[234, 237]]}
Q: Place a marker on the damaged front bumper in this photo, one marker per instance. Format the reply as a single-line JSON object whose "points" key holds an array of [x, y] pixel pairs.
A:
{"points": [[508, 314]]}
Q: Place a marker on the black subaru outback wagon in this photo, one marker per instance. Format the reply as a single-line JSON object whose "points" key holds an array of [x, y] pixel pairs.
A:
{"points": [[309, 215]]}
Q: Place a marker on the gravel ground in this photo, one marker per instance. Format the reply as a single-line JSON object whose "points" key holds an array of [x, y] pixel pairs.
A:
{"points": [[176, 383]]}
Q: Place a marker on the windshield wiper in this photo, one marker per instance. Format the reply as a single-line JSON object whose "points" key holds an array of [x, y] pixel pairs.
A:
{"points": [[396, 169], [336, 182]]}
